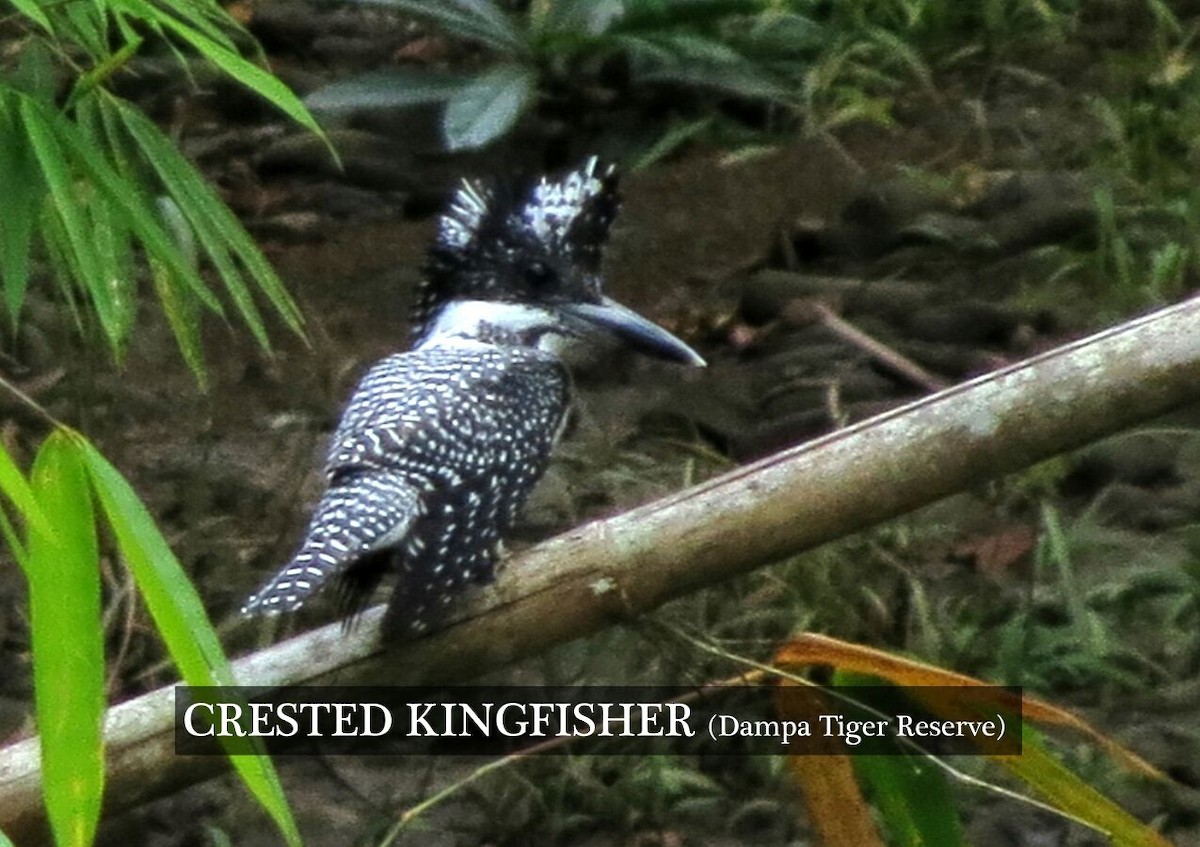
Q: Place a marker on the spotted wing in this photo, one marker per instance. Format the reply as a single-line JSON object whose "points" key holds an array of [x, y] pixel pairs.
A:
{"points": [[434, 455]]}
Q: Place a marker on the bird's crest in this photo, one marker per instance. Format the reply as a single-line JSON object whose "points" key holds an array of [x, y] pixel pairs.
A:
{"points": [[524, 240]]}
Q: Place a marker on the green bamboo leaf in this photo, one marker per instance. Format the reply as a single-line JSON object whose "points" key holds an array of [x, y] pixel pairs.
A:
{"points": [[180, 309], [36, 72], [1040, 770], [17, 489], [86, 23], [179, 616], [487, 107], [61, 261], [176, 223], [185, 323], [208, 19], [77, 244], [13, 540], [914, 799], [23, 194], [169, 594], [671, 140], [111, 238], [913, 795], [220, 54], [33, 10], [217, 229], [139, 216], [110, 136], [67, 640], [89, 81], [5, 841]]}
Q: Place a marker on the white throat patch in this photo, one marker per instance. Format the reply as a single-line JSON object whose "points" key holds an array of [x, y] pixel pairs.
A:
{"points": [[489, 322]]}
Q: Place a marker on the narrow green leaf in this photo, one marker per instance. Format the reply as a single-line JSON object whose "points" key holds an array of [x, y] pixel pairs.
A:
{"points": [[67, 639], [209, 19], [111, 237], [653, 16], [905, 54], [488, 107], [1040, 770], [87, 82], [36, 72], [914, 799], [169, 594], [176, 223], [70, 211], [785, 34], [179, 616], [245, 72], [23, 194], [87, 23], [180, 308], [33, 10], [185, 323], [139, 216], [61, 260], [13, 540], [1057, 548], [17, 489], [5, 841], [218, 230]]}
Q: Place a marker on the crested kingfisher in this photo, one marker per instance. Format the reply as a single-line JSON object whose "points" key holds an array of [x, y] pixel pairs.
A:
{"points": [[439, 446]]}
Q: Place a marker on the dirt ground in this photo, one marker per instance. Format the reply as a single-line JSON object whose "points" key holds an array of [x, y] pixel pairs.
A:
{"points": [[720, 249]]}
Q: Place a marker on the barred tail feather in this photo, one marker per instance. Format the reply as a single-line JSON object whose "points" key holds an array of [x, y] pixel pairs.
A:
{"points": [[359, 516]]}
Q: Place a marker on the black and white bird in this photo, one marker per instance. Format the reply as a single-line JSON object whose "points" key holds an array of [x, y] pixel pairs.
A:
{"points": [[440, 446]]}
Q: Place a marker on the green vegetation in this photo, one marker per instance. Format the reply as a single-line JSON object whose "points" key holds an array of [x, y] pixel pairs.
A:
{"points": [[646, 77], [572, 56], [91, 185], [88, 178], [1061, 629]]}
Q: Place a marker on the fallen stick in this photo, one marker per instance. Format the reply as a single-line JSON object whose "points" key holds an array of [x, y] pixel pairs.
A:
{"points": [[802, 312], [606, 571]]}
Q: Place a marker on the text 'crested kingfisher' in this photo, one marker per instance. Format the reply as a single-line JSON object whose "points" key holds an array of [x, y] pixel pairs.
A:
{"points": [[440, 446]]}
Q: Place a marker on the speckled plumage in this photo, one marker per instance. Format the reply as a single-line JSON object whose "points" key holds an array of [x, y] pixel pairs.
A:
{"points": [[437, 451], [439, 447], [521, 241]]}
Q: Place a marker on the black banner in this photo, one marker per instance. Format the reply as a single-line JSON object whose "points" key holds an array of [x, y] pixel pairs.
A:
{"points": [[495, 720]]}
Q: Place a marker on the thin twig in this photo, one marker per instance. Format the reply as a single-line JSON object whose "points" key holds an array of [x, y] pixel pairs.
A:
{"points": [[414, 812], [954, 772], [808, 495], [36, 407], [806, 310]]}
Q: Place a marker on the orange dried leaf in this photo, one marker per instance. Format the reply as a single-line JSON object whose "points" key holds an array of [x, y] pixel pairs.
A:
{"points": [[812, 649], [836, 807]]}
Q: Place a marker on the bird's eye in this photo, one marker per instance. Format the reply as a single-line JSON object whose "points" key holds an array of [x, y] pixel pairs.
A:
{"points": [[539, 275]]}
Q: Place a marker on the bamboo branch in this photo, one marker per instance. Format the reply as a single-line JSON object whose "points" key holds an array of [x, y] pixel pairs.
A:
{"points": [[606, 571]]}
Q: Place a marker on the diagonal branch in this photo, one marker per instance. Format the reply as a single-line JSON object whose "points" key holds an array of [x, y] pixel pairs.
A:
{"points": [[605, 571]]}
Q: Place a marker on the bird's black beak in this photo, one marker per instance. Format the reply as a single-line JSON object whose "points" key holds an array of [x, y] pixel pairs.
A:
{"points": [[634, 330]]}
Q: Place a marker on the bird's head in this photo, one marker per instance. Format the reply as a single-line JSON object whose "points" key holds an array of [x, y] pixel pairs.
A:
{"points": [[522, 261]]}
